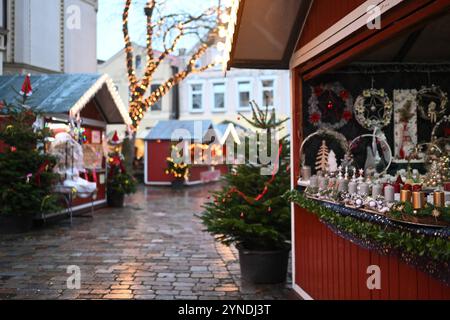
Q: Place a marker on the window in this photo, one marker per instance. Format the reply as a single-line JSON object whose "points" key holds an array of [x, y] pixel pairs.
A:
{"points": [[158, 105], [196, 97], [268, 93], [138, 62], [219, 96], [244, 91]]}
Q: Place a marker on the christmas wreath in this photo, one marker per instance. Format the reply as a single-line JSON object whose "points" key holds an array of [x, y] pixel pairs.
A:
{"points": [[432, 103], [330, 102], [373, 109]]}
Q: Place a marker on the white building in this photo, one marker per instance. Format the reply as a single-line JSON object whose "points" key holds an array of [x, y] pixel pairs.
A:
{"points": [[50, 36], [220, 97]]}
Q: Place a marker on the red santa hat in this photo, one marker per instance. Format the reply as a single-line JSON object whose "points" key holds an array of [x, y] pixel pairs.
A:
{"points": [[115, 139], [27, 90]]}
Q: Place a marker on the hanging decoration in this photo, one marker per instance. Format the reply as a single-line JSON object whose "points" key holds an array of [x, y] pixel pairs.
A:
{"points": [[325, 133], [330, 102], [27, 90], [378, 165], [441, 129], [405, 123], [432, 103], [373, 109]]}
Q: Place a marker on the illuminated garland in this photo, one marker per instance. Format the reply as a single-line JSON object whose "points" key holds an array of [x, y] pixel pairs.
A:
{"points": [[138, 104]]}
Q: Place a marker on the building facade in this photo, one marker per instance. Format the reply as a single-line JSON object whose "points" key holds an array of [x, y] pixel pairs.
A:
{"points": [[167, 108], [62, 42], [220, 97]]}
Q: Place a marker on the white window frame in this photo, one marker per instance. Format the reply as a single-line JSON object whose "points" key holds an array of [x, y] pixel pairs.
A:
{"points": [[261, 91], [213, 102], [190, 92], [238, 102], [158, 83]]}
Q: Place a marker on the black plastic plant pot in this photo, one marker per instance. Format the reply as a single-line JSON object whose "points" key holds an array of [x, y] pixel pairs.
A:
{"points": [[15, 224], [115, 199], [263, 267], [177, 184]]}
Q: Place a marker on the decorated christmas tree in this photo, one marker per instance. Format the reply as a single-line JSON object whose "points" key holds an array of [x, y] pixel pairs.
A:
{"points": [[249, 210], [322, 157], [26, 177]]}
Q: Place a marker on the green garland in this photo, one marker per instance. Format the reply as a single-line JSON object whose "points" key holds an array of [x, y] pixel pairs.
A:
{"points": [[433, 247]]}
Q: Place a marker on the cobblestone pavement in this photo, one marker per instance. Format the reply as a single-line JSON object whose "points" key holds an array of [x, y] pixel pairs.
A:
{"points": [[154, 248]]}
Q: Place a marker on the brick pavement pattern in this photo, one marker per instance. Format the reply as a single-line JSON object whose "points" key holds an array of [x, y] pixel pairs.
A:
{"points": [[154, 248]]}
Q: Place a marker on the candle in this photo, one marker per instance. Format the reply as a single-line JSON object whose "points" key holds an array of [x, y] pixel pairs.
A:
{"points": [[363, 189], [343, 185], [323, 183], [314, 182], [306, 173], [405, 196], [389, 193], [439, 199], [352, 187], [377, 189], [418, 200]]}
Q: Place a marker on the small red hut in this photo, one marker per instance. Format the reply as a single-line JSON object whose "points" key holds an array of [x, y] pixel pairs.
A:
{"points": [[199, 135]]}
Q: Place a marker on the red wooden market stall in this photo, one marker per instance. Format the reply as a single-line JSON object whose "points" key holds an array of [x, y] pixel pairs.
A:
{"points": [[198, 134], [92, 102], [369, 92]]}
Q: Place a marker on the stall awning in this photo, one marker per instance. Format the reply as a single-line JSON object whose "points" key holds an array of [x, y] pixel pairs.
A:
{"points": [[68, 94], [260, 40], [194, 130]]}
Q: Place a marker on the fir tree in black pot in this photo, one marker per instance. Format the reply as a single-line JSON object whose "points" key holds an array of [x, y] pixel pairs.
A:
{"points": [[250, 212], [26, 177], [120, 182]]}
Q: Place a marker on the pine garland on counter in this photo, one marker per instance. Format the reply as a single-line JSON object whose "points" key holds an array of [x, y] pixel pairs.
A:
{"points": [[386, 239]]}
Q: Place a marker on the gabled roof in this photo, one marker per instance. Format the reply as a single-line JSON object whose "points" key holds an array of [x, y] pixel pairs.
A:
{"points": [[195, 130], [68, 93], [227, 130]]}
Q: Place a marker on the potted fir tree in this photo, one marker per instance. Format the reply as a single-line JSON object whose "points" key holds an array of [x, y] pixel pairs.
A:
{"points": [[250, 212], [26, 177], [119, 183], [179, 170]]}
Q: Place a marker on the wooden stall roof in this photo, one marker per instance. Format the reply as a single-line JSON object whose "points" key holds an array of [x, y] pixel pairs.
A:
{"points": [[322, 30], [55, 94], [266, 33]]}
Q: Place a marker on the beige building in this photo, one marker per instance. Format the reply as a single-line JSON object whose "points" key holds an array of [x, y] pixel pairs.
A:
{"points": [[167, 108]]}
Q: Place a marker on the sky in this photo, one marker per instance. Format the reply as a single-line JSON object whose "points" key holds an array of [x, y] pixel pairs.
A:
{"points": [[109, 23]]}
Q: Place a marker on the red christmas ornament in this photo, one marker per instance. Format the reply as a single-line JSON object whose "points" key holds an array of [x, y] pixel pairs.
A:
{"points": [[27, 90], [447, 132], [344, 95], [315, 117], [13, 149], [347, 115], [407, 187], [330, 105], [318, 91], [242, 215], [269, 210]]}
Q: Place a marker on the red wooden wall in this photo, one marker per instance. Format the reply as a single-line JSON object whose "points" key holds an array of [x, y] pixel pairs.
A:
{"points": [[323, 15], [328, 267], [157, 153]]}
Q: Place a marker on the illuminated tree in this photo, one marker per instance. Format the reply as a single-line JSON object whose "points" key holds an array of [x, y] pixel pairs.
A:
{"points": [[164, 31]]}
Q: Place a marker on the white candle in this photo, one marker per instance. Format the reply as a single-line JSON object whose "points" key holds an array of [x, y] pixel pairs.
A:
{"points": [[377, 189], [389, 193], [323, 183], [343, 185], [352, 187], [363, 189], [314, 182], [306, 173]]}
